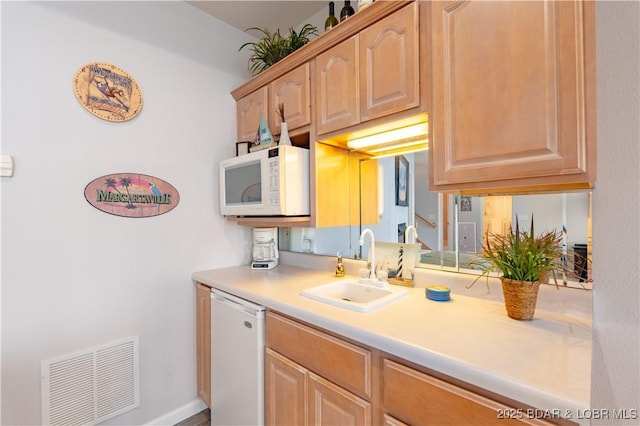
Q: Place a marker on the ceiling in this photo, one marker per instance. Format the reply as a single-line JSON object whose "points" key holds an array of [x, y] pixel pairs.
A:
{"points": [[271, 15]]}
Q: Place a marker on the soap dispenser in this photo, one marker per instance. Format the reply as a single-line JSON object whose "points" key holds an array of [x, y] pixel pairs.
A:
{"points": [[339, 266]]}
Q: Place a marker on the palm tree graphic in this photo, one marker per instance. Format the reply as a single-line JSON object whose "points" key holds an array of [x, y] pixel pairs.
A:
{"points": [[111, 183], [126, 182]]}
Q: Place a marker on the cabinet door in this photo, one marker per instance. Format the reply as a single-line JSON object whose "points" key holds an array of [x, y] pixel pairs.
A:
{"points": [[389, 64], [513, 94], [330, 405], [203, 342], [332, 199], [285, 390], [337, 88], [248, 110], [292, 89]]}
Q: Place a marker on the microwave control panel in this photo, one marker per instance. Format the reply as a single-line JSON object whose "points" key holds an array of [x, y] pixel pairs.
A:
{"points": [[274, 177]]}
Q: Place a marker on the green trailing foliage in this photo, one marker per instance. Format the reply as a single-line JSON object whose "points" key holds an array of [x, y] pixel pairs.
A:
{"points": [[273, 46]]}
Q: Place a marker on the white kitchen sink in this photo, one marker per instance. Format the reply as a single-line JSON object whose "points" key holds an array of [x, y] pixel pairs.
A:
{"points": [[353, 295]]}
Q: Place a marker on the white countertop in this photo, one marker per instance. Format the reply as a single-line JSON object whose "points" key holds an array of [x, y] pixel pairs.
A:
{"points": [[544, 363]]}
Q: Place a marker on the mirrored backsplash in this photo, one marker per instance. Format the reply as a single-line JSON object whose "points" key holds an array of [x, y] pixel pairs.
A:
{"points": [[450, 228]]}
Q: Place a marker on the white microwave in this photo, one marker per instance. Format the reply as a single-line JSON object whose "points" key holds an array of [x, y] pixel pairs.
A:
{"points": [[270, 182]]}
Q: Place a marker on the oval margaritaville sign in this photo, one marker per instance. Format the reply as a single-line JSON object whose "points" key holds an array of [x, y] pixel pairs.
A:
{"points": [[131, 195]]}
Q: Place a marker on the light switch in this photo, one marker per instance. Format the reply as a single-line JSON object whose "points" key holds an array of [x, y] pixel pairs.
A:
{"points": [[6, 165]]}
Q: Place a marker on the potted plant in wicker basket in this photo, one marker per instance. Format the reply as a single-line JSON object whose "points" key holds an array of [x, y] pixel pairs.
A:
{"points": [[522, 258]]}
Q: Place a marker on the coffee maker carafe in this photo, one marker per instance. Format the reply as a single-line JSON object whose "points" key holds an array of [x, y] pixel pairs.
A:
{"points": [[265, 248]]}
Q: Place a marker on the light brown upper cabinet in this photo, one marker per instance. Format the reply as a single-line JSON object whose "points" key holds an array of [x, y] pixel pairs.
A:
{"points": [[388, 53], [513, 106], [337, 89], [372, 74], [291, 88], [363, 73], [248, 110]]}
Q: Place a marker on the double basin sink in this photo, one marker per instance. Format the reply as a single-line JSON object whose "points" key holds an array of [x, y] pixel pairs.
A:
{"points": [[353, 295]]}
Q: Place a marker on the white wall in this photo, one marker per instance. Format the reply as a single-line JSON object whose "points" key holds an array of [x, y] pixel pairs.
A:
{"points": [[616, 201], [72, 276]]}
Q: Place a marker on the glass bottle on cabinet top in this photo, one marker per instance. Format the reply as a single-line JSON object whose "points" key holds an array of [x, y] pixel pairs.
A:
{"points": [[331, 20], [347, 10], [364, 3]]}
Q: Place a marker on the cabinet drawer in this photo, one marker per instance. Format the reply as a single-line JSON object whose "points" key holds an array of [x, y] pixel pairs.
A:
{"points": [[343, 363], [417, 398]]}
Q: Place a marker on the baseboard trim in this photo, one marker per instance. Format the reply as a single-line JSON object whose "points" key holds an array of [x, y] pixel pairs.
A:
{"points": [[179, 414]]}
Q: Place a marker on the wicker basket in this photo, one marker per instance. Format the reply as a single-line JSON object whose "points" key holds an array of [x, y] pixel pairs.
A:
{"points": [[520, 298]]}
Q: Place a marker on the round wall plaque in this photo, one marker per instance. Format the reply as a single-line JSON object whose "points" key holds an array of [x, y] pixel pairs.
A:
{"points": [[107, 91]]}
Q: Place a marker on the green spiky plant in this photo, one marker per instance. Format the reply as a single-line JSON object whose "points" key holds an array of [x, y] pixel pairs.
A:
{"points": [[522, 255], [273, 46]]}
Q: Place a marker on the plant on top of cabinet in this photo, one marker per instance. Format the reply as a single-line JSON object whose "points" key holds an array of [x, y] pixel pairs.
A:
{"points": [[273, 46]]}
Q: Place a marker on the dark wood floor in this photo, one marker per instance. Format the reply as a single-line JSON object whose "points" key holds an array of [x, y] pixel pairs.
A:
{"points": [[203, 418]]}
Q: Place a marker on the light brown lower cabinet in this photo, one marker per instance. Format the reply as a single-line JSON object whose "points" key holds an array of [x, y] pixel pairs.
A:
{"points": [[387, 420], [296, 396], [329, 405], [203, 342], [286, 385], [314, 377], [417, 398]]}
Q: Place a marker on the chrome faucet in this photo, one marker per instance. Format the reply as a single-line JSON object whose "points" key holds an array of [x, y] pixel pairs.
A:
{"points": [[406, 234], [372, 252]]}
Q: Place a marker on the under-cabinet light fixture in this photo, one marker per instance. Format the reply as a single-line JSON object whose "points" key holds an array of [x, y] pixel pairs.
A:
{"points": [[422, 145], [390, 139]]}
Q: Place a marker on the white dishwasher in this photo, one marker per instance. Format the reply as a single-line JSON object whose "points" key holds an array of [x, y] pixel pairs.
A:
{"points": [[237, 361]]}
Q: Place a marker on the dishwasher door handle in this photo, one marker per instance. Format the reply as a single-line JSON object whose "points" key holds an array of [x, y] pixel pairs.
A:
{"points": [[236, 303]]}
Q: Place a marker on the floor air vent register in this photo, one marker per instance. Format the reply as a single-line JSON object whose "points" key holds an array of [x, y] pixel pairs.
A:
{"points": [[91, 386]]}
